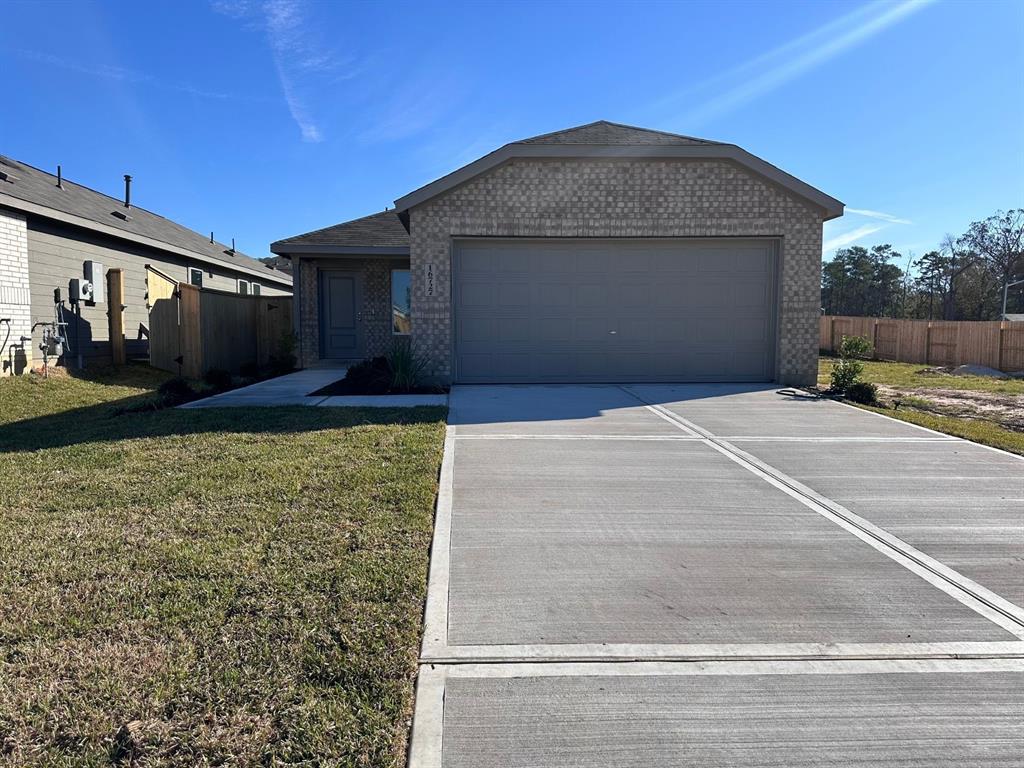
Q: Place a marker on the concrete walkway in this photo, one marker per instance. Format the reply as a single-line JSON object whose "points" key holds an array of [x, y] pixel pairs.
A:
{"points": [[296, 388], [717, 575]]}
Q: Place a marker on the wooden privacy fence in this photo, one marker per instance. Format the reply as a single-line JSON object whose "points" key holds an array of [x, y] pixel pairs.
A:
{"points": [[197, 330], [996, 344]]}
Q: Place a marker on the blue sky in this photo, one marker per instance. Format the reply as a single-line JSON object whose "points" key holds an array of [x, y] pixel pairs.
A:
{"points": [[260, 120]]}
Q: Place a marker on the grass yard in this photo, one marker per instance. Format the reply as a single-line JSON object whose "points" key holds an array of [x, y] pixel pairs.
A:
{"points": [[208, 587], [918, 376], [980, 408]]}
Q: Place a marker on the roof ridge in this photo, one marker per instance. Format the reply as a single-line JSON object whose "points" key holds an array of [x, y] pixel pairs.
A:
{"points": [[562, 130], [662, 133], [571, 129]]}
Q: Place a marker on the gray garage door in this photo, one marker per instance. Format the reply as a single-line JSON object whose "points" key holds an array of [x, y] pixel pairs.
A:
{"points": [[614, 310]]}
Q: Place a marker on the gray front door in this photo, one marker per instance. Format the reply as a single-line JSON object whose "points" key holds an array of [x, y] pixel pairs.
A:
{"points": [[340, 315], [614, 310]]}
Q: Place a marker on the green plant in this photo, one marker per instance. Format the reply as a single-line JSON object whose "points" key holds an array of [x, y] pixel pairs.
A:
{"points": [[249, 370], [407, 367], [370, 376], [847, 370], [283, 360], [863, 392], [174, 392], [218, 379]]}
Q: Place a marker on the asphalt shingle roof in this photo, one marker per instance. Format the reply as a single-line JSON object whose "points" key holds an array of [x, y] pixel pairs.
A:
{"points": [[380, 230], [32, 185], [603, 132]]}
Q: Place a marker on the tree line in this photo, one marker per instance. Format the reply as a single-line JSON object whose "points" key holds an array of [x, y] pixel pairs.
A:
{"points": [[963, 279]]}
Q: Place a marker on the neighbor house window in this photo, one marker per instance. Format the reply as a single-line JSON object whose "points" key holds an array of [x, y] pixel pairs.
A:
{"points": [[243, 287], [401, 301], [255, 289], [195, 277]]}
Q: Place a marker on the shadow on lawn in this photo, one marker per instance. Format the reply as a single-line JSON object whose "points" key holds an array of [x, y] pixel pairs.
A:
{"points": [[127, 418]]}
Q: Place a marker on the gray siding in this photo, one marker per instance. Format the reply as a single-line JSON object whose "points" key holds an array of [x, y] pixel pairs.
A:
{"points": [[56, 253]]}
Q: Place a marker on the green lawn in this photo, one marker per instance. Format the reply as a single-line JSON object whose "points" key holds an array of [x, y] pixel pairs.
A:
{"points": [[916, 409], [916, 375], [984, 432], [223, 587]]}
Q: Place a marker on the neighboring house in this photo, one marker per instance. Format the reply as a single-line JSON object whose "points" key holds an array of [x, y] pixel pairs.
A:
{"points": [[1014, 318], [600, 253], [50, 227]]}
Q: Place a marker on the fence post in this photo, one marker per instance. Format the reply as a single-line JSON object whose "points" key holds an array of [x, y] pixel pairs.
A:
{"points": [[1003, 326], [115, 315], [928, 344], [874, 340], [191, 331]]}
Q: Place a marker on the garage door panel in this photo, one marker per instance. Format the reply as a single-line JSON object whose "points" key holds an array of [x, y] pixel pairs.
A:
{"points": [[654, 310], [476, 295], [513, 294], [591, 295], [749, 294]]}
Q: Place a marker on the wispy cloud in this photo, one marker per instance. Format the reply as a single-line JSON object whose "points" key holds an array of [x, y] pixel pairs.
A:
{"points": [[847, 238], [414, 107], [878, 215], [300, 59], [767, 72], [119, 74]]}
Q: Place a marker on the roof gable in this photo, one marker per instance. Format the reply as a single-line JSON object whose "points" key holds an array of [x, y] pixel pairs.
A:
{"points": [[604, 140]]}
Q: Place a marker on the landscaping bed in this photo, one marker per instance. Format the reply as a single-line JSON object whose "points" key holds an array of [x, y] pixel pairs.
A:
{"points": [[377, 376], [208, 587]]}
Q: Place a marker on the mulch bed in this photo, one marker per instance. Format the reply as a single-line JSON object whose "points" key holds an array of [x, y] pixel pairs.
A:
{"points": [[372, 377]]}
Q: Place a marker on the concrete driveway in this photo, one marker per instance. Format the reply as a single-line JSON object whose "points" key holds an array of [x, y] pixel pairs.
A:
{"points": [[712, 575]]}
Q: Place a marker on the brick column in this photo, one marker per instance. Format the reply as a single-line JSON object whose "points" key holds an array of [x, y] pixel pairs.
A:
{"points": [[15, 301]]}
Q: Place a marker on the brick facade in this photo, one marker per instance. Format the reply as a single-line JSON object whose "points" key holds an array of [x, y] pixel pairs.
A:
{"points": [[376, 309], [621, 198], [15, 297]]}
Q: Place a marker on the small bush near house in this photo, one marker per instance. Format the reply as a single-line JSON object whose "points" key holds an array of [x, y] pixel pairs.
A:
{"points": [[863, 392], [848, 369], [174, 392], [370, 377], [218, 379], [249, 370], [283, 360]]}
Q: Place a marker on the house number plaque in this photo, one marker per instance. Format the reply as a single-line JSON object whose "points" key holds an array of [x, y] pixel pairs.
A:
{"points": [[430, 279]]}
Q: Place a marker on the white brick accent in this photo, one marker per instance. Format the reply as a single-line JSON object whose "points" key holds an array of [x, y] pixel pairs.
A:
{"points": [[14, 294]]}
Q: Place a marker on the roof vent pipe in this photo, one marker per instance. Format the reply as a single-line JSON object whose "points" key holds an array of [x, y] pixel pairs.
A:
{"points": [[60, 179], [232, 246], [211, 237], [127, 191]]}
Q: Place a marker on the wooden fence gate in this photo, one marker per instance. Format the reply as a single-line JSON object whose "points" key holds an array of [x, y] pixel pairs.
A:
{"points": [[196, 330]]}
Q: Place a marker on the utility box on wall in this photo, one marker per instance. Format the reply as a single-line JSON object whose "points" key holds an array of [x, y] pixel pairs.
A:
{"points": [[90, 288], [94, 276]]}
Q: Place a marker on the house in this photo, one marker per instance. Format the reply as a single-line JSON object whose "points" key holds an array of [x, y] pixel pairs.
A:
{"points": [[599, 253], [53, 231]]}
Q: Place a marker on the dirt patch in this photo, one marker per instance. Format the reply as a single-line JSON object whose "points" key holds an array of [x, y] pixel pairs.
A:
{"points": [[1002, 409]]}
